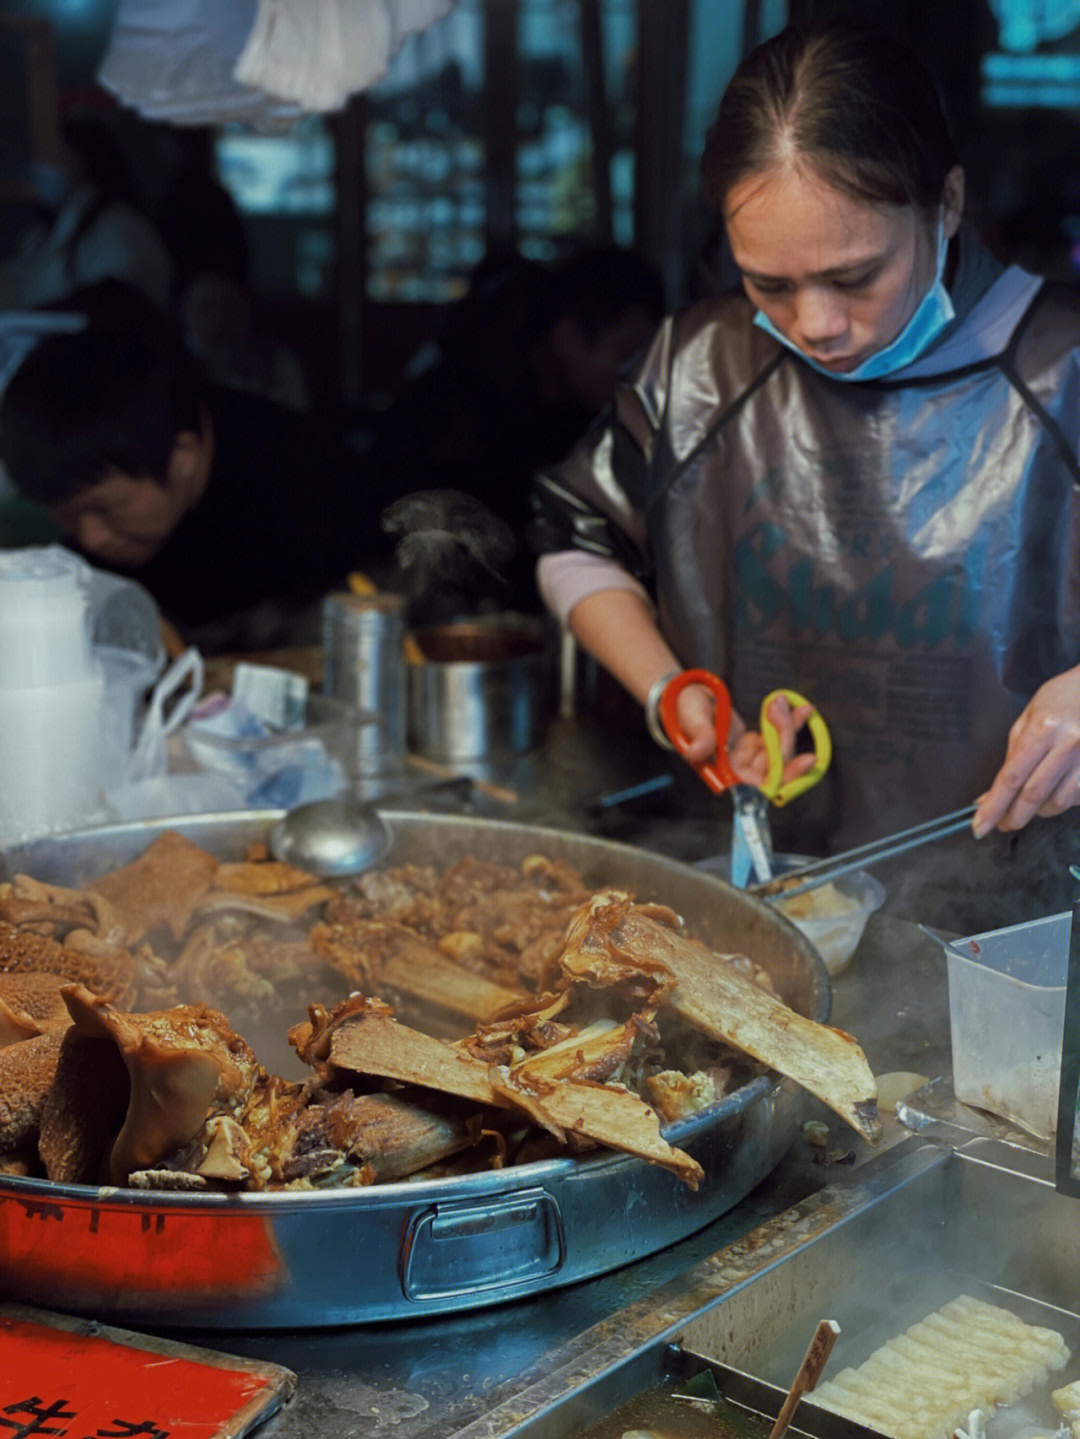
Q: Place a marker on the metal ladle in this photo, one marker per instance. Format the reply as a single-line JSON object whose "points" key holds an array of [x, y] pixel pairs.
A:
{"points": [[337, 836]]}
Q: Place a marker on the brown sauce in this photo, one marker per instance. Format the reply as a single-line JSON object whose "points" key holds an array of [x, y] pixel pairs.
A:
{"points": [[679, 1409]]}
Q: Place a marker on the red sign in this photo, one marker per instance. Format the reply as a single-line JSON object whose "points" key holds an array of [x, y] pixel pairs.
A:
{"points": [[74, 1378]]}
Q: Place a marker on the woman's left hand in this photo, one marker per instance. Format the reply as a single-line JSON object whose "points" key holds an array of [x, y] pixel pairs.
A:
{"points": [[1041, 773]]}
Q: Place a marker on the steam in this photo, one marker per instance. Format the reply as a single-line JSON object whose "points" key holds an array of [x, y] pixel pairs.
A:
{"points": [[969, 886], [453, 553]]}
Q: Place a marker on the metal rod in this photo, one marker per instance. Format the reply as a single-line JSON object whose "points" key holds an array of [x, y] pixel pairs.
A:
{"points": [[809, 876], [635, 791]]}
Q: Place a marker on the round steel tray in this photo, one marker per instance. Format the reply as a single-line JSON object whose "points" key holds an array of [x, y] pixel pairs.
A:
{"points": [[410, 1249]]}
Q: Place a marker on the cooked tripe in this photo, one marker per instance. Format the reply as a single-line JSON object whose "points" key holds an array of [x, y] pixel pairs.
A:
{"points": [[1067, 1403], [924, 1383]]}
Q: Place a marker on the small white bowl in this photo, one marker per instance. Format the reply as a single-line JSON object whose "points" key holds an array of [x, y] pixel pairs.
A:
{"points": [[833, 916]]}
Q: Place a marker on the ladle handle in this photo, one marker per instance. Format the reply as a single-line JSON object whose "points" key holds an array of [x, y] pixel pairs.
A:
{"points": [[809, 1373]]}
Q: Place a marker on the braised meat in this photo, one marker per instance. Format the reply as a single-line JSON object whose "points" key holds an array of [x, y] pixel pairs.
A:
{"points": [[476, 1016]]}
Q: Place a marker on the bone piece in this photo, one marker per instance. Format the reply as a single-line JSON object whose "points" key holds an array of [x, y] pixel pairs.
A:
{"points": [[368, 1040], [611, 940], [373, 954]]}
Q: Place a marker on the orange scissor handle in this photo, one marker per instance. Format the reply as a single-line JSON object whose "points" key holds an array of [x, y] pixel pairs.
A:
{"points": [[774, 785], [717, 772]]}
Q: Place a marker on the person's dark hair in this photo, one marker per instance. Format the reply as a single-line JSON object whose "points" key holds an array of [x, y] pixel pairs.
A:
{"points": [[103, 156], [202, 225], [842, 99], [512, 302], [105, 397], [598, 284]]}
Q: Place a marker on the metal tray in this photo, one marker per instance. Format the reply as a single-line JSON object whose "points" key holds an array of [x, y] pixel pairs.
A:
{"points": [[910, 1229], [405, 1250], [594, 1409]]}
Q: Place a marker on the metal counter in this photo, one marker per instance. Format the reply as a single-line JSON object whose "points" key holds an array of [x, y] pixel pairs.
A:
{"points": [[427, 1379]]}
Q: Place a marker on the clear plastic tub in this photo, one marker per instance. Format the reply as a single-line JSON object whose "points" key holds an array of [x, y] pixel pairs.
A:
{"points": [[277, 768], [1006, 1016]]}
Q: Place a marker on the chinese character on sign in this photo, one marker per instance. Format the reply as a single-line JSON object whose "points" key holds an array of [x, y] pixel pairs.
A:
{"points": [[37, 1413], [123, 1430]]}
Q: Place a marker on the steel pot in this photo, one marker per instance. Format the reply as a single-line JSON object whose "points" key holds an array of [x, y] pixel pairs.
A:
{"points": [[412, 1249], [480, 689]]}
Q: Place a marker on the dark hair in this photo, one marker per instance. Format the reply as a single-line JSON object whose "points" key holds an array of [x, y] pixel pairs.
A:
{"points": [[104, 397], [513, 301], [848, 101], [103, 156], [597, 284]]}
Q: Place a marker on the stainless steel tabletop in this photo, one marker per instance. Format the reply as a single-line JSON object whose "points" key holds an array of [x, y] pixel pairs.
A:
{"points": [[429, 1378]]}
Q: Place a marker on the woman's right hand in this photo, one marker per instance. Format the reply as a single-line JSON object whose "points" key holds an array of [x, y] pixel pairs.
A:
{"points": [[747, 753], [696, 709]]}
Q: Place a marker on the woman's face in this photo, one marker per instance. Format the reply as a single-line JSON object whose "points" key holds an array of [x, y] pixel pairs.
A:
{"points": [[839, 277]]}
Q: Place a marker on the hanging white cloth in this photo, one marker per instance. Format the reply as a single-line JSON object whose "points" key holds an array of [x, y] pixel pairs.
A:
{"points": [[318, 54], [173, 60], [261, 63]]}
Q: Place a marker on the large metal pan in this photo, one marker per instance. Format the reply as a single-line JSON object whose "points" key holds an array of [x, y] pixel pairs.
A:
{"points": [[405, 1250]]}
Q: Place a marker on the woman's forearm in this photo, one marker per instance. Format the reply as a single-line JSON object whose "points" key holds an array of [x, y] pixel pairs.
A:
{"points": [[618, 628]]}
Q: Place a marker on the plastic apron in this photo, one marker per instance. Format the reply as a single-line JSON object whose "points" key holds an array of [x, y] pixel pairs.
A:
{"points": [[906, 554]]}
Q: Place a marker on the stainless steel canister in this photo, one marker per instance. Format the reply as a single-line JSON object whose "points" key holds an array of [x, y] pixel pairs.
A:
{"points": [[480, 690], [363, 664]]}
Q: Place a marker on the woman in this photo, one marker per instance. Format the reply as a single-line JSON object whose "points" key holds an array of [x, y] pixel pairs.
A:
{"points": [[857, 477]]}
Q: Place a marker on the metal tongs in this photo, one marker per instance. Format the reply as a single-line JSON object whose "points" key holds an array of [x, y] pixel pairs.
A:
{"points": [[809, 876]]}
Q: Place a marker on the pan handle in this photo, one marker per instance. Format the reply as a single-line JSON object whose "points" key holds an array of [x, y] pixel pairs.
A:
{"points": [[504, 1242]]}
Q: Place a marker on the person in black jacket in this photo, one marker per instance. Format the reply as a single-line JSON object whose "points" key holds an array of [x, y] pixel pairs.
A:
{"points": [[523, 364], [236, 513]]}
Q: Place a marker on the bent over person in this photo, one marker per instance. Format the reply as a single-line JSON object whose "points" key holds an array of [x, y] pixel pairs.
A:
{"points": [[236, 513], [856, 476]]}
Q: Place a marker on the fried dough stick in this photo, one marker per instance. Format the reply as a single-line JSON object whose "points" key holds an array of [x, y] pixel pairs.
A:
{"points": [[611, 940]]}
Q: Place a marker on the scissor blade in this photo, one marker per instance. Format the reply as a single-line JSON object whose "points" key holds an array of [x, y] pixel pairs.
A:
{"points": [[751, 839], [742, 864]]}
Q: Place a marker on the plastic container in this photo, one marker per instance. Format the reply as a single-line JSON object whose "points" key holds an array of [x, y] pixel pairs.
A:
{"points": [[1007, 1016], [129, 678], [272, 768], [79, 652], [51, 696], [834, 915], [44, 621]]}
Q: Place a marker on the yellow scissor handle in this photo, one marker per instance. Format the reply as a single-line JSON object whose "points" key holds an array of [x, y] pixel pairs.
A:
{"points": [[774, 785]]}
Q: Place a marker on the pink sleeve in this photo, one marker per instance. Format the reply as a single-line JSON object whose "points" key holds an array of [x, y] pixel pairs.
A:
{"points": [[567, 576]]}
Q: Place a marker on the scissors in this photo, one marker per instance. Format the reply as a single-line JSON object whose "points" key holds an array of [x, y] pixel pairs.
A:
{"points": [[751, 842]]}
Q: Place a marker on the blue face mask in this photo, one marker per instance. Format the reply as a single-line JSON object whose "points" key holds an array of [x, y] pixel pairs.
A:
{"points": [[931, 315]]}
